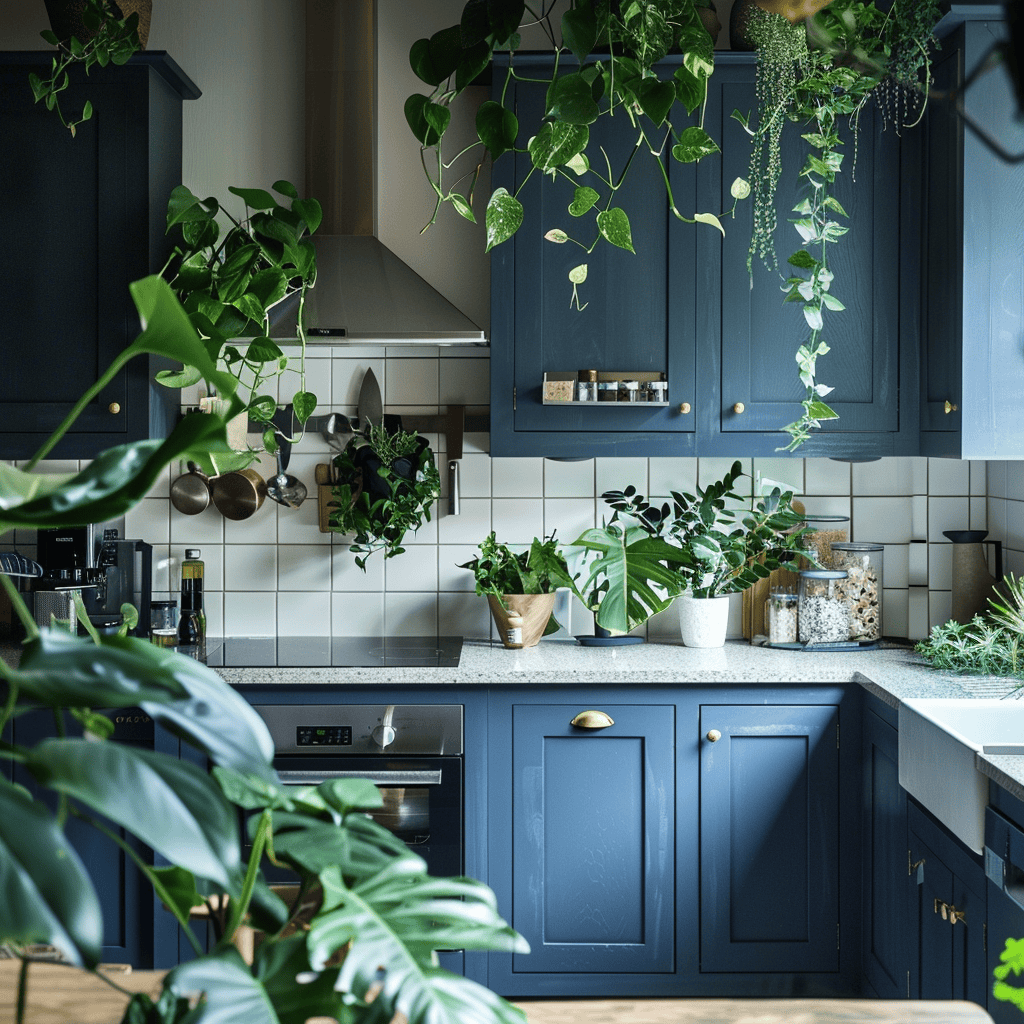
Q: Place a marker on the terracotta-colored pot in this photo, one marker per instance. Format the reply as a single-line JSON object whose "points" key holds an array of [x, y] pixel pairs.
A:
{"points": [[535, 610]]}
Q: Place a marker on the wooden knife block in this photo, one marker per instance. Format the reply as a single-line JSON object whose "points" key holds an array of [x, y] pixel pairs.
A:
{"points": [[323, 495], [756, 597]]}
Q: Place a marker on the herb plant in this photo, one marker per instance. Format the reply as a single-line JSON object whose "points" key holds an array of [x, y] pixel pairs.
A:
{"points": [[988, 645], [114, 39], [723, 550], [386, 485], [499, 570], [229, 283]]}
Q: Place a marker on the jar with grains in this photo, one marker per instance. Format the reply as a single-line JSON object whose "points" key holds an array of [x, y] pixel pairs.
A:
{"points": [[781, 617], [822, 614], [862, 588], [825, 531]]}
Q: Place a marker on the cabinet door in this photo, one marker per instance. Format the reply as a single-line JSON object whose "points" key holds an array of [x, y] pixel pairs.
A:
{"points": [[769, 835], [884, 852], [125, 896], [638, 316], [947, 916], [760, 334], [593, 841]]}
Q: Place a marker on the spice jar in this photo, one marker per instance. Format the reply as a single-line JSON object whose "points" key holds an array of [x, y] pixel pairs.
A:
{"points": [[658, 391], [608, 391], [825, 530], [862, 588], [822, 614], [629, 391], [781, 614], [586, 388]]}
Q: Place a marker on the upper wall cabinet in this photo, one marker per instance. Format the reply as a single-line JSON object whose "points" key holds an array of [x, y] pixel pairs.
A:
{"points": [[683, 307], [84, 217], [973, 258]]}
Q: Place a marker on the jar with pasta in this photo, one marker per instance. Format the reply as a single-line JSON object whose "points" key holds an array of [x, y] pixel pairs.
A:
{"points": [[824, 532], [862, 588], [822, 614]]}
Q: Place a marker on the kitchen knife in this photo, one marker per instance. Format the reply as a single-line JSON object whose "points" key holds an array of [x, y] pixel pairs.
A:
{"points": [[455, 423], [371, 405]]}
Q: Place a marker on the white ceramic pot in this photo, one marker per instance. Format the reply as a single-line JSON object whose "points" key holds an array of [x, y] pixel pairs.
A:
{"points": [[703, 620]]}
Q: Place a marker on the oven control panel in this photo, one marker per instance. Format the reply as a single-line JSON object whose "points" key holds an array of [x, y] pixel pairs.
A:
{"points": [[433, 729], [323, 736]]}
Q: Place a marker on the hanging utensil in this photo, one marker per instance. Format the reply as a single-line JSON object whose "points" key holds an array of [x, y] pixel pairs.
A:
{"points": [[190, 493], [284, 488], [240, 494], [337, 431], [371, 405], [13, 564], [455, 423]]}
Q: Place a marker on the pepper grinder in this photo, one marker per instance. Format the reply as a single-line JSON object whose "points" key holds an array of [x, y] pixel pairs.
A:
{"points": [[972, 582]]}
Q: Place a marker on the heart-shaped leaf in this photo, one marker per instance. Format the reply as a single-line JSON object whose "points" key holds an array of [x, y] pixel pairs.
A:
{"points": [[503, 218], [656, 98], [570, 100], [556, 144], [496, 127], [583, 200], [614, 226], [694, 143], [579, 30]]}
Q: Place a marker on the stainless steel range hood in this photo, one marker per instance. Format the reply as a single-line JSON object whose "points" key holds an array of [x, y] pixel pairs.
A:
{"points": [[364, 293]]}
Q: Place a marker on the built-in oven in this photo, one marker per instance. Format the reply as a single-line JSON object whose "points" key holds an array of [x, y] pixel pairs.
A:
{"points": [[412, 752]]}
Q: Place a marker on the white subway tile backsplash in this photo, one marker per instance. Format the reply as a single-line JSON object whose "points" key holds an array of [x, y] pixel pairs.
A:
{"points": [[917, 613], [347, 576], [948, 514], [787, 473], [995, 475], [895, 613], [884, 477], [357, 614], [1015, 480], [517, 521], [711, 470], [474, 476], [466, 615], [666, 475], [412, 614], [979, 477], [1015, 525], [826, 476], [464, 380], [470, 526], [148, 520], [831, 505], [416, 569], [885, 520], [303, 613], [895, 567], [949, 476], [250, 567], [259, 528], [346, 379], [303, 567], [979, 513], [205, 528], [517, 478], [940, 607], [618, 474], [410, 382], [940, 566], [570, 517], [451, 577], [249, 614], [569, 479]]}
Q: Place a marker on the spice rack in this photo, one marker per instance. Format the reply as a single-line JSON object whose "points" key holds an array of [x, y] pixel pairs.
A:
{"points": [[560, 387]]}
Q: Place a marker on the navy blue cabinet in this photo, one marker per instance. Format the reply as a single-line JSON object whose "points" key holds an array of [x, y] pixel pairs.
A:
{"points": [[89, 214], [582, 846], [683, 305], [972, 373], [769, 838], [947, 914], [885, 864]]}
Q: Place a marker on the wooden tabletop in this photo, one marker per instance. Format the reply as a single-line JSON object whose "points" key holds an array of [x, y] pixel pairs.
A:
{"points": [[59, 994]]}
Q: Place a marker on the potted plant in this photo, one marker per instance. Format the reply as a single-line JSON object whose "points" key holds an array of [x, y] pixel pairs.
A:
{"points": [[364, 898], [107, 36], [386, 483], [724, 550], [520, 587]]}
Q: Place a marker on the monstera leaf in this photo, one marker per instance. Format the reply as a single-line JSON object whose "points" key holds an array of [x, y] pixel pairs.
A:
{"points": [[632, 577]]}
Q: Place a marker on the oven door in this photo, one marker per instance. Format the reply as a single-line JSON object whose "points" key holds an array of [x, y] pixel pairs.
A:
{"points": [[422, 800]]}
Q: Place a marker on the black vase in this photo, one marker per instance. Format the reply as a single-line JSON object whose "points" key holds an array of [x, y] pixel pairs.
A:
{"points": [[66, 18], [739, 26]]}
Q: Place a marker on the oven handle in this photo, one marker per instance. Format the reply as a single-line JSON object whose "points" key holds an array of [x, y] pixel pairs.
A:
{"points": [[381, 778]]}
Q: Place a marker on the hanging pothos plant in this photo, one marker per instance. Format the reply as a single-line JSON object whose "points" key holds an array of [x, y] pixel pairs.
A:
{"points": [[616, 45], [813, 74]]}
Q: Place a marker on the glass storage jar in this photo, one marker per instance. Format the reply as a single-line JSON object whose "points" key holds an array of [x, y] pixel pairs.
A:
{"points": [[608, 391], [586, 386], [822, 613], [781, 615], [825, 531], [862, 588]]}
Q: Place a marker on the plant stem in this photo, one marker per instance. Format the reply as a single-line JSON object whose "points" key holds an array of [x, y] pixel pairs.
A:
{"points": [[22, 990], [19, 606], [241, 905]]}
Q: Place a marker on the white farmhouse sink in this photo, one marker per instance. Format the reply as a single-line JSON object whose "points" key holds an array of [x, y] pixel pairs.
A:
{"points": [[939, 738]]}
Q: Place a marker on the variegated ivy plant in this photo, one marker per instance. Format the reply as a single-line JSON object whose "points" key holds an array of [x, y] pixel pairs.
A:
{"points": [[606, 55]]}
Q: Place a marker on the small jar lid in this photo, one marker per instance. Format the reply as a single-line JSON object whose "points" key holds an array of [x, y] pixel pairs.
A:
{"points": [[826, 520], [163, 604], [857, 545], [588, 375], [630, 385], [192, 552], [824, 574], [608, 385]]}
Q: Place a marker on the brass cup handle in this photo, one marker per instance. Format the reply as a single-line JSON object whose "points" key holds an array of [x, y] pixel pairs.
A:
{"points": [[684, 408], [592, 720], [949, 407], [714, 736], [739, 408]]}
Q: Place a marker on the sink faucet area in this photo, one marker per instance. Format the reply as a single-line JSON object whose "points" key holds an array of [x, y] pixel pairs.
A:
{"points": [[939, 741]]}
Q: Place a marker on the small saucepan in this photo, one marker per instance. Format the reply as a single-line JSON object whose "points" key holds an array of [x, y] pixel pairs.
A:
{"points": [[190, 493], [240, 494]]}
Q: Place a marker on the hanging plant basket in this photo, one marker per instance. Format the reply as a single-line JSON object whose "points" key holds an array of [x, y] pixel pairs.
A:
{"points": [[66, 18]]}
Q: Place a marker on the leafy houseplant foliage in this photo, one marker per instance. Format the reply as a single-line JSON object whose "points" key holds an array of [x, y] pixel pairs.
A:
{"points": [[114, 40], [814, 75], [723, 550], [387, 483], [606, 54], [229, 283], [991, 644], [379, 910]]}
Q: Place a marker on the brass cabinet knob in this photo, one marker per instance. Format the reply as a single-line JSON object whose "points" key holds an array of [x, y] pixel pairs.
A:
{"points": [[592, 720], [685, 408], [114, 408], [738, 408], [714, 735], [949, 407], [957, 915]]}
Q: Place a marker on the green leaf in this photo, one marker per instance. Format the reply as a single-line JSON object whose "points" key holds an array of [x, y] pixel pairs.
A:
{"points": [[496, 127], [556, 235], [45, 891], [820, 411], [614, 226], [232, 993], [278, 964], [438, 117], [474, 61], [570, 101], [803, 260], [832, 302], [556, 144], [184, 207], [656, 98], [263, 350], [462, 206], [503, 218], [433, 60], [740, 188], [579, 31], [183, 378], [578, 274], [285, 188], [709, 218], [310, 211], [415, 116], [583, 200], [303, 404], [169, 804], [812, 314], [694, 143], [691, 89], [180, 887], [254, 198]]}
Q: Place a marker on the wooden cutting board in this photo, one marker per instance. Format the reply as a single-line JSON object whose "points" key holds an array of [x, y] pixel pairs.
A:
{"points": [[755, 597]]}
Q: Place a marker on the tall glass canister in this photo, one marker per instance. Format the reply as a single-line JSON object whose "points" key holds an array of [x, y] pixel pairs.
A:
{"points": [[862, 588], [825, 531], [822, 615]]}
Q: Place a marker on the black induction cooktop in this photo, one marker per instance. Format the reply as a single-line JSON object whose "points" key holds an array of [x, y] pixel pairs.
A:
{"points": [[334, 652]]}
